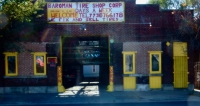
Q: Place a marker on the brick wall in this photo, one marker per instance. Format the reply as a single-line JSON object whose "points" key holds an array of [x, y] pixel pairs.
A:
{"points": [[25, 59], [142, 55], [26, 69]]}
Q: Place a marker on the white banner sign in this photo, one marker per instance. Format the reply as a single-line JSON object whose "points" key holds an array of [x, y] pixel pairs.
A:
{"points": [[85, 12]]}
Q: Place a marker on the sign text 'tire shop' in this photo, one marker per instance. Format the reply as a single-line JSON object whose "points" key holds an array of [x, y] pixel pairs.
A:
{"points": [[85, 12]]}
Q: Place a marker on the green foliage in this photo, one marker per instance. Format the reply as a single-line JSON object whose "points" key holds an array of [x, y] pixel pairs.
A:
{"points": [[21, 10], [171, 4], [189, 24], [18, 22]]}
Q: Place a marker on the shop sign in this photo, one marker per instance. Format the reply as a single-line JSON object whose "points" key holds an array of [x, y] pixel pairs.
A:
{"points": [[52, 61], [85, 12]]}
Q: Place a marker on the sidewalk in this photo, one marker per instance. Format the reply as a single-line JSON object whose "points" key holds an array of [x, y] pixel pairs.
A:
{"points": [[80, 95]]}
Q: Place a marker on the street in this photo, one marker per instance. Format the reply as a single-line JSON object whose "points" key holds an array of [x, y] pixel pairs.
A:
{"points": [[179, 103]]}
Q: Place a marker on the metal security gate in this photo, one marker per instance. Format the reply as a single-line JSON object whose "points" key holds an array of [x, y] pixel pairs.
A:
{"points": [[180, 72], [180, 65], [197, 75]]}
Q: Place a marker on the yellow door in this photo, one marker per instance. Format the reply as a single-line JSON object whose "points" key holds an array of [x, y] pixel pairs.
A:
{"points": [[155, 68], [129, 80], [180, 65]]}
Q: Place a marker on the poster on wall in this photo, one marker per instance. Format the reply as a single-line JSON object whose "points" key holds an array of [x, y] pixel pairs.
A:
{"points": [[52, 61], [85, 12]]}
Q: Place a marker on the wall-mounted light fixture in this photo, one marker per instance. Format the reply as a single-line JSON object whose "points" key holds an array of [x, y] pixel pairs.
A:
{"points": [[150, 24], [111, 40]]}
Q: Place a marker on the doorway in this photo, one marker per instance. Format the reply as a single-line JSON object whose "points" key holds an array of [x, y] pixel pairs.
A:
{"points": [[85, 59]]}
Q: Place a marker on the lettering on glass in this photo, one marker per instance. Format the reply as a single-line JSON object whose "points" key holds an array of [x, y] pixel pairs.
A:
{"points": [[11, 64], [129, 62], [40, 64], [155, 62]]}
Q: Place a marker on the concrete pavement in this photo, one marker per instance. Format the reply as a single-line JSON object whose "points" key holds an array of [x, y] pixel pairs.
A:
{"points": [[94, 94]]}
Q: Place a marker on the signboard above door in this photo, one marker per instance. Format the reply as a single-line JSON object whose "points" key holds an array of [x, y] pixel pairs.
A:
{"points": [[85, 12]]}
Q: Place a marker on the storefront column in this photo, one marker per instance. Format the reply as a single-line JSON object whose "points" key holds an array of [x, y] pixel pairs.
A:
{"points": [[110, 87], [61, 88]]}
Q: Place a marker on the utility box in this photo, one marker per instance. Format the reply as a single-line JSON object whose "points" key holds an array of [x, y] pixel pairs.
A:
{"points": [[91, 70]]}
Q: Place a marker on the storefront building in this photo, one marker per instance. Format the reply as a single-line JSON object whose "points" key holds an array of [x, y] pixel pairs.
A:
{"points": [[124, 45]]}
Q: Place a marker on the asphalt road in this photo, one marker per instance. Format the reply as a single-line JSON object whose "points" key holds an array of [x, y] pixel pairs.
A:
{"points": [[180, 103]]}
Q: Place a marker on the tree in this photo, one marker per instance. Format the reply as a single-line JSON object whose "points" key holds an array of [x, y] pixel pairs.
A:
{"points": [[17, 21], [21, 10], [189, 24], [173, 4]]}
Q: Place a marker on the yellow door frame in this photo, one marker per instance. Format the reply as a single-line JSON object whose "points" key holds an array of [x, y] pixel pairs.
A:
{"points": [[129, 63], [155, 77]]}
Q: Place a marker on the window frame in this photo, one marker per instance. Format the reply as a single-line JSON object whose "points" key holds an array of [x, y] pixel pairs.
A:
{"points": [[35, 54], [159, 62], [7, 54], [133, 53]]}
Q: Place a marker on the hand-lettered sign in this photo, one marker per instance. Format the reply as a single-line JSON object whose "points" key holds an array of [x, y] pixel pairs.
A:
{"points": [[85, 12]]}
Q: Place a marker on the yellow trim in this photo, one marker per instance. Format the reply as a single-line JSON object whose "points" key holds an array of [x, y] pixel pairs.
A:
{"points": [[61, 88], [159, 71], [179, 48], [129, 83], [34, 61], [133, 61], [155, 82], [6, 63]]}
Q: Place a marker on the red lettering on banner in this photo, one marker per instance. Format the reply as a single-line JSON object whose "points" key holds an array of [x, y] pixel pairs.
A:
{"points": [[82, 10], [82, 15], [115, 5], [111, 19], [92, 19], [100, 10], [99, 15], [107, 10], [84, 5], [60, 5], [49, 6], [55, 15], [98, 5], [77, 19]]}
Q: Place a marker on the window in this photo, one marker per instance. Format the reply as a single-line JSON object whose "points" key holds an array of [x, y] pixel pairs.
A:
{"points": [[11, 63], [129, 62], [155, 61], [39, 59]]}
